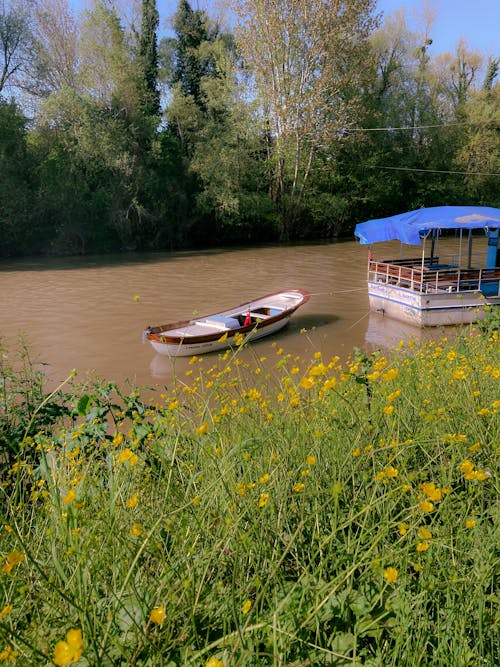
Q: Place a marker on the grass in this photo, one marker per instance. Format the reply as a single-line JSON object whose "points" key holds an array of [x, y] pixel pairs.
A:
{"points": [[278, 512]]}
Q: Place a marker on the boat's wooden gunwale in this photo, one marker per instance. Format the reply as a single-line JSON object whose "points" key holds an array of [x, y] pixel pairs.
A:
{"points": [[287, 301]]}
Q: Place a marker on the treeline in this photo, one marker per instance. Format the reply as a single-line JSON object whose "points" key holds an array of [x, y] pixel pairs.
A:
{"points": [[296, 122]]}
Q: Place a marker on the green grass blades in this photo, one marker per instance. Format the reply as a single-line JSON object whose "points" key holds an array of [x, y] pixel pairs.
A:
{"points": [[268, 512]]}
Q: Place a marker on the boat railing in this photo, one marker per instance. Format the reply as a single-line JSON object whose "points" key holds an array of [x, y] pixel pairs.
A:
{"points": [[433, 276]]}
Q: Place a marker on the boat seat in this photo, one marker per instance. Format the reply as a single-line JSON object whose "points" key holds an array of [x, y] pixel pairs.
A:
{"points": [[220, 322]]}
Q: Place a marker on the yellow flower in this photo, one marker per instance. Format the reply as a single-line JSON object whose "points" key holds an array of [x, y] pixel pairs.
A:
{"points": [[423, 546], [357, 452], [263, 499], [8, 654], [431, 491], [157, 615], [70, 496], [466, 467], [393, 396], [214, 662], [402, 528], [202, 428], [132, 502], [128, 455], [69, 651], [136, 529], [311, 460], [306, 383], [14, 558], [6, 610], [391, 575], [391, 374], [424, 533], [390, 471], [426, 506], [298, 487], [264, 478], [459, 374], [246, 607], [470, 523], [389, 409]]}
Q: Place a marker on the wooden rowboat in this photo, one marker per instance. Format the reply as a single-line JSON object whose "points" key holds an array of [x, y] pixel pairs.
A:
{"points": [[251, 320]]}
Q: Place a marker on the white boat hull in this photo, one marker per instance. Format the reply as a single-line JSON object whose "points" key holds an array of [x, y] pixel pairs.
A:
{"points": [[428, 309], [189, 349], [211, 333]]}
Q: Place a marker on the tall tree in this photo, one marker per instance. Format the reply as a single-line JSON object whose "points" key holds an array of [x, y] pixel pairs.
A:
{"points": [[185, 61], [16, 38], [306, 59], [55, 48], [148, 58]]}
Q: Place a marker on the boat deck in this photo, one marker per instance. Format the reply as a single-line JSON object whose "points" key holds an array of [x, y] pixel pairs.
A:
{"points": [[434, 277]]}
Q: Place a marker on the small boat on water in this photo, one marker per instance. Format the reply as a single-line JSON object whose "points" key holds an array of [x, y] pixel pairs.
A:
{"points": [[433, 289], [210, 333]]}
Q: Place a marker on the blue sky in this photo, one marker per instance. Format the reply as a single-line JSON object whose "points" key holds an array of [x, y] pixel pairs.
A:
{"points": [[478, 21]]}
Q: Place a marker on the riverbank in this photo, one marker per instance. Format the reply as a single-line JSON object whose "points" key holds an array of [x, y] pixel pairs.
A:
{"points": [[279, 511]]}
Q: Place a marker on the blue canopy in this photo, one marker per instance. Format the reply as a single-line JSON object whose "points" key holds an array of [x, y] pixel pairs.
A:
{"points": [[407, 227]]}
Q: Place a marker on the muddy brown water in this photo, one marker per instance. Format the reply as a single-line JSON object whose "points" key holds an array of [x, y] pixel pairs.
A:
{"points": [[88, 313]]}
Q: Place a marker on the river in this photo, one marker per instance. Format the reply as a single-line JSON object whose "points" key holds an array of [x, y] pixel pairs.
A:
{"points": [[88, 313]]}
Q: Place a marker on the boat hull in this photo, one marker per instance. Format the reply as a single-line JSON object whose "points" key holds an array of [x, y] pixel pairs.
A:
{"points": [[185, 348], [428, 309], [211, 333]]}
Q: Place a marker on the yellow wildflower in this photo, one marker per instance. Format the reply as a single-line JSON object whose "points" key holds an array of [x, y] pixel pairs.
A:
{"points": [[136, 529], [306, 383], [202, 428], [402, 528], [390, 471], [214, 662], [431, 491], [393, 396], [14, 558], [389, 409], [132, 502], [264, 478], [246, 607], [8, 654], [69, 651], [128, 455], [6, 610], [311, 460], [70, 496], [263, 499], [298, 487], [423, 546], [424, 533], [466, 466], [470, 523], [426, 506], [391, 374], [157, 615], [391, 575]]}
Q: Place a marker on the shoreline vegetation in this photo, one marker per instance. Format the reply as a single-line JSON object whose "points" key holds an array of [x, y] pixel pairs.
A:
{"points": [[280, 511]]}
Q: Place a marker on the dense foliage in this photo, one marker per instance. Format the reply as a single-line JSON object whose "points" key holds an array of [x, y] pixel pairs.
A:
{"points": [[278, 512], [296, 121]]}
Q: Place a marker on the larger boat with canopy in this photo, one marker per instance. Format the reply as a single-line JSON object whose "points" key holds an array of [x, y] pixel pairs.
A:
{"points": [[435, 289]]}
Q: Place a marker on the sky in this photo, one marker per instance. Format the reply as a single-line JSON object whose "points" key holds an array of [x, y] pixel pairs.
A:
{"points": [[478, 21]]}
